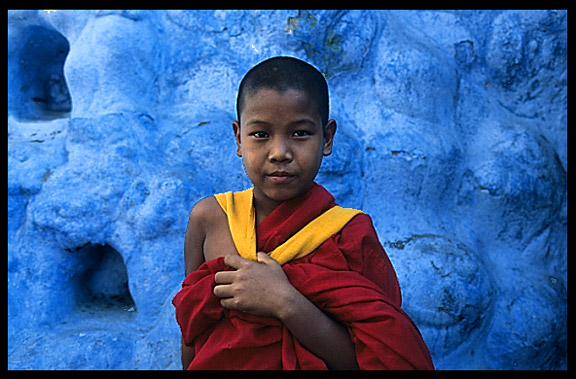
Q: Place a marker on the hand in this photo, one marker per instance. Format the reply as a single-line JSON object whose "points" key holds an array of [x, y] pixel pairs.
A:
{"points": [[260, 288]]}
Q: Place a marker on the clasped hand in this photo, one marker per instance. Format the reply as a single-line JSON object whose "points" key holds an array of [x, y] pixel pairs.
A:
{"points": [[261, 288]]}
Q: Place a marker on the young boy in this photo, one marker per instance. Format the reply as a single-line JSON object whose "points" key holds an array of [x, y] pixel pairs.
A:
{"points": [[279, 276]]}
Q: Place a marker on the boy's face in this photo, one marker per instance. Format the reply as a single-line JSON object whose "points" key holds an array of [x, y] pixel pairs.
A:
{"points": [[281, 142]]}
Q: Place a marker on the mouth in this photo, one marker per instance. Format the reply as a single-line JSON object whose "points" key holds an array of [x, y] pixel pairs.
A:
{"points": [[280, 177]]}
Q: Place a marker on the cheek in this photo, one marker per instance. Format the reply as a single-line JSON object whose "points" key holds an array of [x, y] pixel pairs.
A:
{"points": [[311, 159], [252, 160], [248, 162]]}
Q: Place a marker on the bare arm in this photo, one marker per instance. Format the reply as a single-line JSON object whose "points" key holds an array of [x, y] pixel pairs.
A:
{"points": [[319, 333], [248, 289], [195, 235], [188, 354], [193, 258]]}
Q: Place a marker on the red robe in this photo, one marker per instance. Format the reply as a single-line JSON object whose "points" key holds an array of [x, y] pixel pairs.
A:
{"points": [[349, 277]]}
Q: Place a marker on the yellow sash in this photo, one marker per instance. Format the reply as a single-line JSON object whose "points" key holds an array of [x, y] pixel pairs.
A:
{"points": [[239, 208]]}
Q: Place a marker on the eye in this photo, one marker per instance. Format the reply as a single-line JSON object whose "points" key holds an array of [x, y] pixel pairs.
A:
{"points": [[259, 135], [301, 133]]}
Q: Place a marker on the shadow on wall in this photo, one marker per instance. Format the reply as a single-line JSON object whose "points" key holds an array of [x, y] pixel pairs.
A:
{"points": [[37, 87]]}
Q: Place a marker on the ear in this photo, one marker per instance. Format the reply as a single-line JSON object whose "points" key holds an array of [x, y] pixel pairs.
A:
{"points": [[329, 132], [236, 128]]}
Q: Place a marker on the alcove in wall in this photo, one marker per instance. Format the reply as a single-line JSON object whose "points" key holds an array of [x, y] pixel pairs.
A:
{"points": [[102, 283], [37, 86]]}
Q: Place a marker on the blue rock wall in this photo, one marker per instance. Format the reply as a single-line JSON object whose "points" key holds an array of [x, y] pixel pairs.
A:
{"points": [[452, 134]]}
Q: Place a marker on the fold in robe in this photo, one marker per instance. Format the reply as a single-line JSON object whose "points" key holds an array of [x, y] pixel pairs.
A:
{"points": [[348, 277]]}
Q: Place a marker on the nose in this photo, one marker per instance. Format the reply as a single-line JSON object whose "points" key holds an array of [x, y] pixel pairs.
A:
{"points": [[280, 150]]}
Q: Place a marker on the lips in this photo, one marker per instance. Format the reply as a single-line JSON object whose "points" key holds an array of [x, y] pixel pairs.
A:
{"points": [[280, 177]]}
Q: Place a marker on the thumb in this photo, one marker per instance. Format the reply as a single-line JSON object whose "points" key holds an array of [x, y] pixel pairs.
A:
{"points": [[264, 258]]}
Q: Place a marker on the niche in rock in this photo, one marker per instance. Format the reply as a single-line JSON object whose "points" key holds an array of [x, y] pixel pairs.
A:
{"points": [[39, 83], [103, 284]]}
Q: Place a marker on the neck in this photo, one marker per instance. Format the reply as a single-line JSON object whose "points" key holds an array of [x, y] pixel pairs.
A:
{"points": [[263, 206]]}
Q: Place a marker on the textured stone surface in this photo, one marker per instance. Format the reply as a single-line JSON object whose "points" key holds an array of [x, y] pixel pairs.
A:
{"points": [[451, 135]]}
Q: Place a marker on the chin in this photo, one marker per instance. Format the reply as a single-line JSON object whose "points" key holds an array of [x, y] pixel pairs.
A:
{"points": [[281, 194]]}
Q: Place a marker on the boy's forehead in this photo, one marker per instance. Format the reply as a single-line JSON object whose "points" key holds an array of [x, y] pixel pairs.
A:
{"points": [[272, 106], [268, 99]]}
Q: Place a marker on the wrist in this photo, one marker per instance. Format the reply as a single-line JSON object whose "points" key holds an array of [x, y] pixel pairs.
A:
{"points": [[289, 304]]}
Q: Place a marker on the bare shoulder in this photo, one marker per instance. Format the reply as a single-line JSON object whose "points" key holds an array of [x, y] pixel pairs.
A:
{"points": [[208, 235], [201, 219], [204, 210]]}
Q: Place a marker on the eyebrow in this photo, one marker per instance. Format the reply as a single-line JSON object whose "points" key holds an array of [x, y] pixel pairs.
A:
{"points": [[304, 121], [257, 122]]}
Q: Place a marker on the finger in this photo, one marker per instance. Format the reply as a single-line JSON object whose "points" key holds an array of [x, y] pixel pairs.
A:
{"points": [[229, 303], [224, 277], [235, 261], [222, 291], [265, 258]]}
